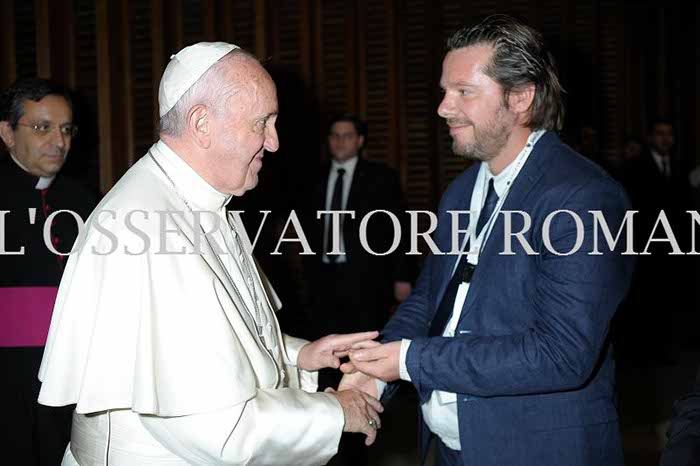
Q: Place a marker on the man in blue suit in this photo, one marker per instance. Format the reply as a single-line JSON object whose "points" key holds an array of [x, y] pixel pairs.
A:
{"points": [[506, 344]]}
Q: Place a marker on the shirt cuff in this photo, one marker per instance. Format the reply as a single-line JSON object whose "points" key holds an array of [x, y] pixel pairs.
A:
{"points": [[381, 385], [403, 372]]}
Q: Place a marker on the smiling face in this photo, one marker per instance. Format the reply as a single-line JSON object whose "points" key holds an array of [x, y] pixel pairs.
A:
{"points": [[41, 154], [473, 105], [244, 127]]}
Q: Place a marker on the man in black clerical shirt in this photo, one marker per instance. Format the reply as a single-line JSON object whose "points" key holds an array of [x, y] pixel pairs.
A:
{"points": [[36, 127]]}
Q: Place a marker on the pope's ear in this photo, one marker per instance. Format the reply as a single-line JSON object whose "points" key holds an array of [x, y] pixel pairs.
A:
{"points": [[199, 125], [7, 135]]}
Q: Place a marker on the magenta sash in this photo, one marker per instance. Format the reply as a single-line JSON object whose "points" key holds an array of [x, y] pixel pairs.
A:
{"points": [[25, 314]]}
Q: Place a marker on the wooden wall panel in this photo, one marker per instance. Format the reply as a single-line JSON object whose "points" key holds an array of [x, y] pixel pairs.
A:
{"points": [[144, 76], [244, 22], [621, 63], [418, 103], [25, 38], [334, 61], [379, 79], [452, 17], [8, 59]]}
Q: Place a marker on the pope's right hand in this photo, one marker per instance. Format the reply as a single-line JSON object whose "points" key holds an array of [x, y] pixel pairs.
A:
{"points": [[361, 412]]}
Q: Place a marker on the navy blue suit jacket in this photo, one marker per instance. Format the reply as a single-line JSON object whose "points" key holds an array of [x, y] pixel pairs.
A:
{"points": [[529, 362]]}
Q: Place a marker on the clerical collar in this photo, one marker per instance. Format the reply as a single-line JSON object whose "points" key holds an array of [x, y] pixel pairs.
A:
{"points": [[43, 182], [200, 194]]}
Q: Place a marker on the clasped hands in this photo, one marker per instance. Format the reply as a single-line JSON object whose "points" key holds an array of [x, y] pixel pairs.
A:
{"points": [[357, 393]]}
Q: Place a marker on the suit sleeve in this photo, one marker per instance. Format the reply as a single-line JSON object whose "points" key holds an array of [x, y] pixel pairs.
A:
{"points": [[276, 427], [573, 299]]}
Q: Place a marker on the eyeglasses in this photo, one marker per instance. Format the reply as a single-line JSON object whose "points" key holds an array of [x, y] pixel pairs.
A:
{"points": [[44, 129]]}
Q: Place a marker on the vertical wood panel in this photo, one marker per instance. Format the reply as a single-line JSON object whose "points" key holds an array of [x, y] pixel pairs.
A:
{"points": [[334, 60], [225, 20], [305, 41], [43, 42], [104, 95], [192, 20], [7, 45], [610, 119], [244, 24], [209, 21], [25, 38], [416, 63], [157, 58], [125, 90], [62, 33], [144, 75], [261, 45]]}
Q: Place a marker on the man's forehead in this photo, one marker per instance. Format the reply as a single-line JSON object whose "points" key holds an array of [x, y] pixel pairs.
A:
{"points": [[342, 127], [465, 65], [50, 106]]}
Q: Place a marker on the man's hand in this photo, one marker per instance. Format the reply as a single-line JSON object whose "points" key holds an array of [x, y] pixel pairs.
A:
{"points": [[402, 290], [361, 412], [361, 382], [327, 351], [381, 362]]}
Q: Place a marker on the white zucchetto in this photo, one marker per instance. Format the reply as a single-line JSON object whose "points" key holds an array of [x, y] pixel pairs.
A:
{"points": [[185, 68]]}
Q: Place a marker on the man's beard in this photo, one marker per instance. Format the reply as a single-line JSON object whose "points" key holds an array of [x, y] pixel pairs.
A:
{"points": [[489, 138]]}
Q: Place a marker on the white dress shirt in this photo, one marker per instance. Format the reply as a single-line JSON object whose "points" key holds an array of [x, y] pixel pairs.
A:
{"points": [[349, 167], [662, 163], [440, 411]]}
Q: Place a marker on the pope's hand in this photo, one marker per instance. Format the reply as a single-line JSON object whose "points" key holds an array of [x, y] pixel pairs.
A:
{"points": [[327, 351], [379, 361], [361, 412], [361, 382]]}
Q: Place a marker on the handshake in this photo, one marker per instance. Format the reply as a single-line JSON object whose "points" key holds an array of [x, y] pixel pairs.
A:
{"points": [[358, 392]]}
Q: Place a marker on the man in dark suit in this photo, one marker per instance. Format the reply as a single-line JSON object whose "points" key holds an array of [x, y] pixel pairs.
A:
{"points": [[654, 320], [355, 286], [506, 345]]}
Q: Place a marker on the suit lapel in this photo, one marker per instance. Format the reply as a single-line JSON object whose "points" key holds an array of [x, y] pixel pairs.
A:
{"points": [[356, 184], [529, 176], [447, 261]]}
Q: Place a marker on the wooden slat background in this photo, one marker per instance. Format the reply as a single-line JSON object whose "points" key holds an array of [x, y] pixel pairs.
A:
{"points": [[621, 63]]}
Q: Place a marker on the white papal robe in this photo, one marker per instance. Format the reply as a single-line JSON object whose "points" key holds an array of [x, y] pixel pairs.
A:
{"points": [[155, 339]]}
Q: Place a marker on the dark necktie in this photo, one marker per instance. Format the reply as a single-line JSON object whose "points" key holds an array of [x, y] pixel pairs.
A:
{"points": [[336, 204], [464, 270]]}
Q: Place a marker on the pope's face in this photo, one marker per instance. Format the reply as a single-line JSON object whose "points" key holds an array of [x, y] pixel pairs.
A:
{"points": [[473, 105], [245, 130], [42, 138]]}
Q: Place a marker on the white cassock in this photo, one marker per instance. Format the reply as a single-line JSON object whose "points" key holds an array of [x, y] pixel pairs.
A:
{"points": [[158, 344]]}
